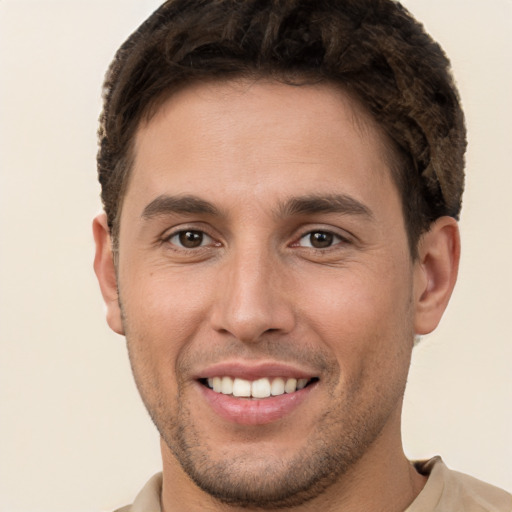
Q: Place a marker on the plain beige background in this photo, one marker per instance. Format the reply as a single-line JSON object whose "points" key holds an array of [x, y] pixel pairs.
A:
{"points": [[73, 433]]}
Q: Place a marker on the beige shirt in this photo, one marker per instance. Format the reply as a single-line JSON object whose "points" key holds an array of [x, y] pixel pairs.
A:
{"points": [[445, 491]]}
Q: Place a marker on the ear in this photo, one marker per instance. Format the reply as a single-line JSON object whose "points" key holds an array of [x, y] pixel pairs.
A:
{"points": [[106, 273], [436, 272]]}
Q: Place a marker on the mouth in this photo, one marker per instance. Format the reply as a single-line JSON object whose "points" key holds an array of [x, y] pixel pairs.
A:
{"points": [[257, 393], [262, 388]]}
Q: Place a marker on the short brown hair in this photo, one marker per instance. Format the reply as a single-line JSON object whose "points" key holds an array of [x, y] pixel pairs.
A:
{"points": [[374, 49]]}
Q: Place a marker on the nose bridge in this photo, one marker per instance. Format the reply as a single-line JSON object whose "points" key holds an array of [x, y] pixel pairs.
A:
{"points": [[251, 295]]}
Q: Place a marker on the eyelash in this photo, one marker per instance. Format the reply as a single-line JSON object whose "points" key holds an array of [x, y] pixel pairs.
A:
{"points": [[182, 232], [333, 239], [337, 239]]}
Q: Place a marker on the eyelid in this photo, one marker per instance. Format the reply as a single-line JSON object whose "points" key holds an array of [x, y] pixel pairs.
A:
{"points": [[176, 230], [336, 239], [207, 239], [342, 238]]}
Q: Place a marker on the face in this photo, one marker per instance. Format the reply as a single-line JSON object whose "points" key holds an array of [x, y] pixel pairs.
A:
{"points": [[267, 289]]}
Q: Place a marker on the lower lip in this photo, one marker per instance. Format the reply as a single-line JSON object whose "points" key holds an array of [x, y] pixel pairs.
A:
{"points": [[251, 411]]}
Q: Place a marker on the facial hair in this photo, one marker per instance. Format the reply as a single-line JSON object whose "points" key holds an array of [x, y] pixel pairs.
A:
{"points": [[341, 436]]}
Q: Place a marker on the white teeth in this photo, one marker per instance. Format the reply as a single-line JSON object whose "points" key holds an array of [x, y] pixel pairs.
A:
{"points": [[261, 388], [277, 387], [290, 386], [241, 387], [301, 383], [226, 386], [217, 384]]}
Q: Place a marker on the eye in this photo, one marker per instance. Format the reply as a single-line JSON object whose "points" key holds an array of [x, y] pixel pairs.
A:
{"points": [[319, 240], [190, 239]]}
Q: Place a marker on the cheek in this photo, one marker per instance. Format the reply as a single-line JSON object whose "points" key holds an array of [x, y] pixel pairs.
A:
{"points": [[164, 299], [364, 318], [163, 312]]}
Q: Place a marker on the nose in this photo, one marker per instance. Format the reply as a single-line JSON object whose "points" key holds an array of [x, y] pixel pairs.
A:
{"points": [[252, 298]]}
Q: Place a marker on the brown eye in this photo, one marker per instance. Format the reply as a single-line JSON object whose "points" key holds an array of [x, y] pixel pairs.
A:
{"points": [[319, 239], [189, 239]]}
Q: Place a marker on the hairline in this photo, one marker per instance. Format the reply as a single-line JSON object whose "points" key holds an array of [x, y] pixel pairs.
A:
{"points": [[361, 119]]}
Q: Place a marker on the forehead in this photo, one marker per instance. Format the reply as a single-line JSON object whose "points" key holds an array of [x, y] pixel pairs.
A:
{"points": [[258, 139]]}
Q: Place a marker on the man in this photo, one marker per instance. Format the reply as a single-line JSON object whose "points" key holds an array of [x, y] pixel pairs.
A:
{"points": [[282, 182]]}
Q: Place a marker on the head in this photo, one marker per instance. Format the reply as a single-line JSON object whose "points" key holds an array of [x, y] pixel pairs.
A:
{"points": [[372, 49], [281, 182]]}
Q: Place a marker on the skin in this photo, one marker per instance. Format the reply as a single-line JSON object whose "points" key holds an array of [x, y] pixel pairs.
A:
{"points": [[254, 291]]}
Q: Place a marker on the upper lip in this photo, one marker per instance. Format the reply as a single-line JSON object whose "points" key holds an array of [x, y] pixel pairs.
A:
{"points": [[253, 370]]}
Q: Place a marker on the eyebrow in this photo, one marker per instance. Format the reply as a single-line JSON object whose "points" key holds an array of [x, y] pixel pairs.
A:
{"points": [[332, 203], [301, 205], [167, 205]]}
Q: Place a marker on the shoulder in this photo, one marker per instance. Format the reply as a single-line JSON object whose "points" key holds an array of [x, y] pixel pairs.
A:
{"points": [[148, 499], [480, 495], [447, 490]]}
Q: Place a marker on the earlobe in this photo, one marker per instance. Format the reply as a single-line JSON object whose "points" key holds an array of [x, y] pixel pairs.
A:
{"points": [[436, 272], [106, 272]]}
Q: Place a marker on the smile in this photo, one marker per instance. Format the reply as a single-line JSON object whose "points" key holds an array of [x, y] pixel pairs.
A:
{"points": [[260, 388]]}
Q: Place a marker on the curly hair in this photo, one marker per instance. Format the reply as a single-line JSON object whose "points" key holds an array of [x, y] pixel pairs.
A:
{"points": [[374, 49]]}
